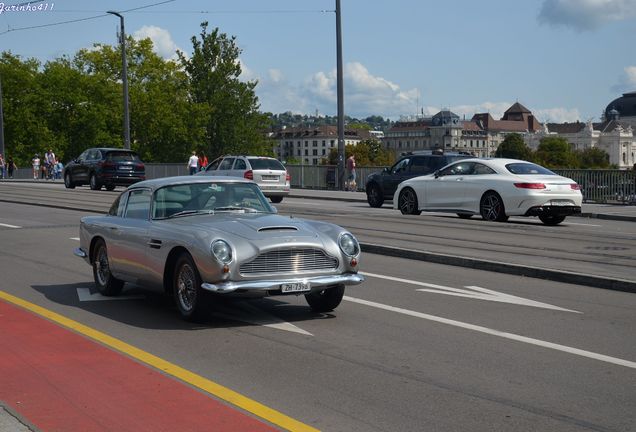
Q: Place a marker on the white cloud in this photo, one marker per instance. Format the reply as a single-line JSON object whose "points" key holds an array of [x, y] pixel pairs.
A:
{"points": [[585, 15], [161, 41], [557, 115], [627, 81]]}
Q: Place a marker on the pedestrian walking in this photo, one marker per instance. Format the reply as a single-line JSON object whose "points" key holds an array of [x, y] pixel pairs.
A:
{"points": [[203, 161], [35, 163], [11, 166], [49, 164], [193, 163], [3, 167], [351, 174]]}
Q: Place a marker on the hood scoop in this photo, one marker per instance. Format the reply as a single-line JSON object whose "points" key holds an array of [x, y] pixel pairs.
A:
{"points": [[278, 228]]}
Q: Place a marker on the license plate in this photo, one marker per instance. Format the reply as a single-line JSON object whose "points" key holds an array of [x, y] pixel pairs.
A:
{"points": [[125, 167], [269, 177], [561, 203], [295, 287]]}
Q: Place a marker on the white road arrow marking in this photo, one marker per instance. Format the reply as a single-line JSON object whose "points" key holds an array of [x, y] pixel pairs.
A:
{"points": [[473, 292], [250, 314], [85, 294]]}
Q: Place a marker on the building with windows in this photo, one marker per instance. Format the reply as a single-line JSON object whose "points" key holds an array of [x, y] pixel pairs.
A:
{"points": [[311, 145], [479, 136]]}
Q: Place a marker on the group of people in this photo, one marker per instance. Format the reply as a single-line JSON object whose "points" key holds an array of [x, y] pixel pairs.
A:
{"points": [[7, 167], [49, 167], [197, 163]]}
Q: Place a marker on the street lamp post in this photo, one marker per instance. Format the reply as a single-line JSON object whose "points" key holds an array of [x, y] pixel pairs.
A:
{"points": [[341, 143], [124, 78]]}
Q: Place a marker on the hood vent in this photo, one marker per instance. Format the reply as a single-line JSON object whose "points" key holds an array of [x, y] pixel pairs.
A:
{"points": [[278, 228]]}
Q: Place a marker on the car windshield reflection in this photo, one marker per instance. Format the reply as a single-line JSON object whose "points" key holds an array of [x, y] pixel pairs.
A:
{"points": [[208, 198]]}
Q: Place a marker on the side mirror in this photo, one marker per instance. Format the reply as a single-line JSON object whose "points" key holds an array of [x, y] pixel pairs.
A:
{"points": [[385, 170], [436, 174]]}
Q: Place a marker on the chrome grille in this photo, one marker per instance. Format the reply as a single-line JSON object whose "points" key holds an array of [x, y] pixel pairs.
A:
{"points": [[293, 260]]}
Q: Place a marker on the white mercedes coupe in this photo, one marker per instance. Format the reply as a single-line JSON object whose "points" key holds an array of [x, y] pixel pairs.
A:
{"points": [[494, 188]]}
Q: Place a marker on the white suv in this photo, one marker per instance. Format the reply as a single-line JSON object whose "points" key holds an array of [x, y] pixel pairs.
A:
{"points": [[270, 175]]}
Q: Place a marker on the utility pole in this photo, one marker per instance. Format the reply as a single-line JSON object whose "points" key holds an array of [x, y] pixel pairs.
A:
{"points": [[124, 79], [341, 143], [1, 125]]}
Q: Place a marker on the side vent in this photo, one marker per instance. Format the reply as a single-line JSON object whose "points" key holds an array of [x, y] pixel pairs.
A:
{"points": [[278, 228]]}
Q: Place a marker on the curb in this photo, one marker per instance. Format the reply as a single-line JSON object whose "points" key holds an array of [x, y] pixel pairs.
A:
{"points": [[501, 267]]}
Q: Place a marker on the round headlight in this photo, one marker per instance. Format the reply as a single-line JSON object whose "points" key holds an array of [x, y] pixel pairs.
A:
{"points": [[349, 244], [222, 251]]}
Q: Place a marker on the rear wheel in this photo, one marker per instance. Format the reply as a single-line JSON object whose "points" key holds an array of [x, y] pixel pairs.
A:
{"points": [[106, 283], [188, 294], [68, 181], [407, 202], [325, 300], [551, 219], [94, 184], [374, 196], [110, 187], [492, 208], [276, 199]]}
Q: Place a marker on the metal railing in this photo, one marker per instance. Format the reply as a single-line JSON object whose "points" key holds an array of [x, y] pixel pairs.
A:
{"points": [[597, 186]]}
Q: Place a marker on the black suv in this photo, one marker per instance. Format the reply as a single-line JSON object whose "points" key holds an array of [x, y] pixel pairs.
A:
{"points": [[108, 167], [381, 185]]}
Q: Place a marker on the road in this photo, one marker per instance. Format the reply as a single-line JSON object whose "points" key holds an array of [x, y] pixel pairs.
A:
{"points": [[418, 346]]}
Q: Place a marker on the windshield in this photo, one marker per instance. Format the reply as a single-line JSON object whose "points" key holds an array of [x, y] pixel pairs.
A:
{"points": [[266, 164], [522, 168], [121, 156], [208, 198]]}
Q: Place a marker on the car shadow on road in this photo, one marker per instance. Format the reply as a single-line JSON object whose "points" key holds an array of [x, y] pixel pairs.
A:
{"points": [[147, 309]]}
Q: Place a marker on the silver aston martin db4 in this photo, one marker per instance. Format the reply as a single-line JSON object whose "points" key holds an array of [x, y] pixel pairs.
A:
{"points": [[194, 235]]}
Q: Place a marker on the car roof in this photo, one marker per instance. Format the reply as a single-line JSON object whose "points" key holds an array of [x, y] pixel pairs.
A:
{"points": [[186, 179], [109, 149]]}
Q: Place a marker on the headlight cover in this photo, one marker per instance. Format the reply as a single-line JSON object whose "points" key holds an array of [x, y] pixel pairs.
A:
{"points": [[348, 244], [222, 251]]}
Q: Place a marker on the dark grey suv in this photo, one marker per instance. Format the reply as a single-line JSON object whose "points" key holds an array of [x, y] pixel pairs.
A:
{"points": [[107, 167], [381, 186]]}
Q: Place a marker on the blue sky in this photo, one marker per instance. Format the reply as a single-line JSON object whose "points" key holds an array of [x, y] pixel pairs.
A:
{"points": [[563, 59]]}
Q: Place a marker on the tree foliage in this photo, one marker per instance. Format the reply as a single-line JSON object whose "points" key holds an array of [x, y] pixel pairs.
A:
{"points": [[555, 152], [593, 158], [514, 147]]}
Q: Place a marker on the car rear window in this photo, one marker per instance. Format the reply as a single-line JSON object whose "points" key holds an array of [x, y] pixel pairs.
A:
{"points": [[122, 156], [266, 163], [527, 168]]}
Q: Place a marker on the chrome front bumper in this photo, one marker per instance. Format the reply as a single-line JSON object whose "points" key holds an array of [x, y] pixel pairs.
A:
{"points": [[315, 283]]}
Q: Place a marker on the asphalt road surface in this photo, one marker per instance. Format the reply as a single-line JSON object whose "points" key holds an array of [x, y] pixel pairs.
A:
{"points": [[418, 346]]}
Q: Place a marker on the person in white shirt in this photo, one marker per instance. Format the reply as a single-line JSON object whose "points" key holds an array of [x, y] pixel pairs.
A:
{"points": [[193, 163], [35, 162]]}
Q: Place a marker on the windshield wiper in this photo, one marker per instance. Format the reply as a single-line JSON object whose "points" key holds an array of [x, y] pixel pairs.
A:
{"points": [[233, 208], [190, 212]]}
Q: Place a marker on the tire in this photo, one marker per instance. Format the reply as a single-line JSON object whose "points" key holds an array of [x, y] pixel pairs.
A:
{"points": [[374, 196], [325, 300], [186, 287], [68, 181], [407, 202], [492, 208], [110, 187], [464, 215], [276, 199], [551, 219], [105, 282], [94, 184]]}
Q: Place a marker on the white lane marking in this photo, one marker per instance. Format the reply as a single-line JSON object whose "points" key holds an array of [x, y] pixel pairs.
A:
{"points": [[9, 226], [473, 292], [75, 238], [581, 224], [84, 294], [493, 332], [250, 314]]}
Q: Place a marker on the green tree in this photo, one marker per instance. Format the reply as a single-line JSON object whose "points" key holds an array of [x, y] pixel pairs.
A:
{"points": [[593, 158], [514, 147], [228, 106], [556, 152]]}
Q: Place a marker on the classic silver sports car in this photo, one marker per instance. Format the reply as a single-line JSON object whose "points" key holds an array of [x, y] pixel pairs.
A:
{"points": [[191, 235]]}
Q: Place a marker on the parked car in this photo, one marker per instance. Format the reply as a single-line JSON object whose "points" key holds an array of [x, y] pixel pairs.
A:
{"points": [[269, 173], [380, 186], [193, 235], [493, 188], [107, 167]]}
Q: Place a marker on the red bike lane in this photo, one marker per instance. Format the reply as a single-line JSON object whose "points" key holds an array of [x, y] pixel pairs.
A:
{"points": [[59, 380]]}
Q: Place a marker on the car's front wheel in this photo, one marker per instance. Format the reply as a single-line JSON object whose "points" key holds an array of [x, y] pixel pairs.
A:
{"points": [[188, 294], [94, 184], [106, 283], [325, 300], [407, 202], [374, 196], [492, 208], [551, 219], [68, 181], [276, 199]]}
